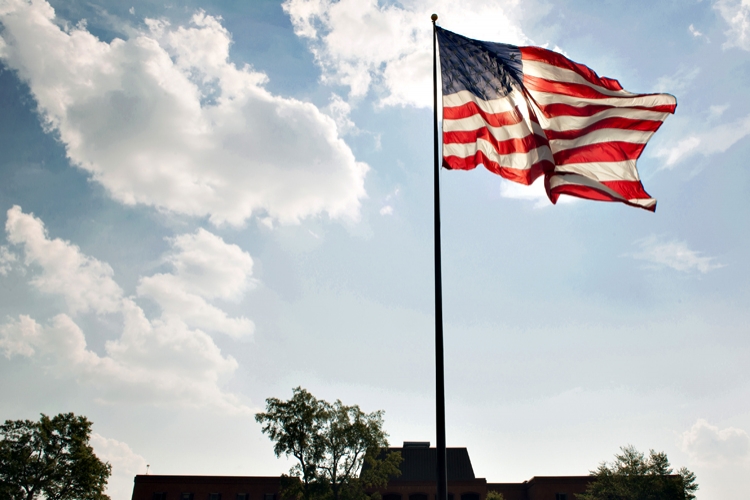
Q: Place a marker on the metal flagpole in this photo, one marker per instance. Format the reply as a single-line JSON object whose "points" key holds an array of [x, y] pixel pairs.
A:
{"points": [[442, 469]]}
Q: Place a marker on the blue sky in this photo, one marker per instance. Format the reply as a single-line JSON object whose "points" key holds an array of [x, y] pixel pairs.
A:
{"points": [[208, 203]]}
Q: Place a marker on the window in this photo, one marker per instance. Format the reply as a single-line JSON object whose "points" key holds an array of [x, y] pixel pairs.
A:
{"points": [[214, 496], [160, 495], [418, 496], [391, 496], [186, 496], [561, 496], [269, 496], [243, 496], [470, 496]]}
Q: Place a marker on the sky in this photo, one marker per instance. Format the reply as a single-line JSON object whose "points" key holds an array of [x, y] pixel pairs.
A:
{"points": [[208, 203]]}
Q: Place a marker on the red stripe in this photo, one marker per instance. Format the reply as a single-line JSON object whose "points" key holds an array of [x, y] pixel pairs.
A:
{"points": [[522, 176], [549, 57], [631, 190], [565, 88], [523, 145], [613, 122], [600, 152], [559, 109], [590, 193], [493, 119]]}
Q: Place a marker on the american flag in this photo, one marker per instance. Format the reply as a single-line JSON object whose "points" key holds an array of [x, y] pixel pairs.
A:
{"points": [[523, 112]]}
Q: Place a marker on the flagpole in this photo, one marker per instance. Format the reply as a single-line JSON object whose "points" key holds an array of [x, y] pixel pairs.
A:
{"points": [[442, 469]]}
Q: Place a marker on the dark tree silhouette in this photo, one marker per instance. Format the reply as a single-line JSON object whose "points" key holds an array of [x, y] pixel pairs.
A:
{"points": [[331, 442], [50, 459]]}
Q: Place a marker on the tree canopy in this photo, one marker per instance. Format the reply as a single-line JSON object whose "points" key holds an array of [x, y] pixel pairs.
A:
{"points": [[331, 443], [633, 476], [50, 459]]}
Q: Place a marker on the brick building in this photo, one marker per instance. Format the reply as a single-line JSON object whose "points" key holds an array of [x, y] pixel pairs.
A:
{"points": [[417, 482]]}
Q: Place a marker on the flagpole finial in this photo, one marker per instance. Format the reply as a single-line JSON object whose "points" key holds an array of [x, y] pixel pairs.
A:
{"points": [[433, 17]]}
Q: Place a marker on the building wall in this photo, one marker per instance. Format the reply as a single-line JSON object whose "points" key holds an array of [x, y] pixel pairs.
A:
{"points": [[543, 488], [510, 491], [458, 489], [256, 487], [547, 488], [267, 488]]}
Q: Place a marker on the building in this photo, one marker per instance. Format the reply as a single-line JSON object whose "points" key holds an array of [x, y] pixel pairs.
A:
{"points": [[417, 482], [152, 487]]}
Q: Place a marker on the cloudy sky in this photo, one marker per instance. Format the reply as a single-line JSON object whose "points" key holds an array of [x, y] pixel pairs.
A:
{"points": [[207, 203]]}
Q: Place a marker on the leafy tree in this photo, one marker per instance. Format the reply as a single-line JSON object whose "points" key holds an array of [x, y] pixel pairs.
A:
{"points": [[50, 459], [494, 495], [331, 443], [633, 476]]}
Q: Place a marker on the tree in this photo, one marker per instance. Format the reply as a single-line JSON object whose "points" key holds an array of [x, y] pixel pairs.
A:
{"points": [[632, 476], [332, 443], [50, 459]]}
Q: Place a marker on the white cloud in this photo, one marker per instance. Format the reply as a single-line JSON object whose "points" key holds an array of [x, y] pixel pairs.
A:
{"points": [[711, 445], [7, 258], [697, 34], [677, 83], [84, 282], [159, 361], [674, 254], [340, 110], [205, 267], [386, 210], [711, 141], [368, 44], [535, 193], [737, 15], [19, 337], [165, 119], [715, 112], [125, 465]]}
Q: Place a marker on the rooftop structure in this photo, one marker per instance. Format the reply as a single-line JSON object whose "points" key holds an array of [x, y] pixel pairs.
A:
{"points": [[416, 482]]}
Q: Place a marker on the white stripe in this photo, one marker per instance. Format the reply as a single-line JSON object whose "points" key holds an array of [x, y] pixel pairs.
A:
{"points": [[519, 161], [602, 135], [560, 123], [647, 101], [556, 181], [555, 73], [603, 171], [507, 103], [643, 202], [475, 122]]}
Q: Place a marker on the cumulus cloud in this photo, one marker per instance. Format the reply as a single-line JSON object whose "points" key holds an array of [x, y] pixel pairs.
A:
{"points": [[205, 267], [165, 119], [674, 254], [340, 111], [736, 13], [534, 193], [708, 142], [709, 444], [368, 45], [85, 283], [125, 465], [7, 258], [164, 360]]}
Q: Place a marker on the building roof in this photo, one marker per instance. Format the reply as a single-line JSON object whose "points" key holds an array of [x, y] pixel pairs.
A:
{"points": [[420, 463]]}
